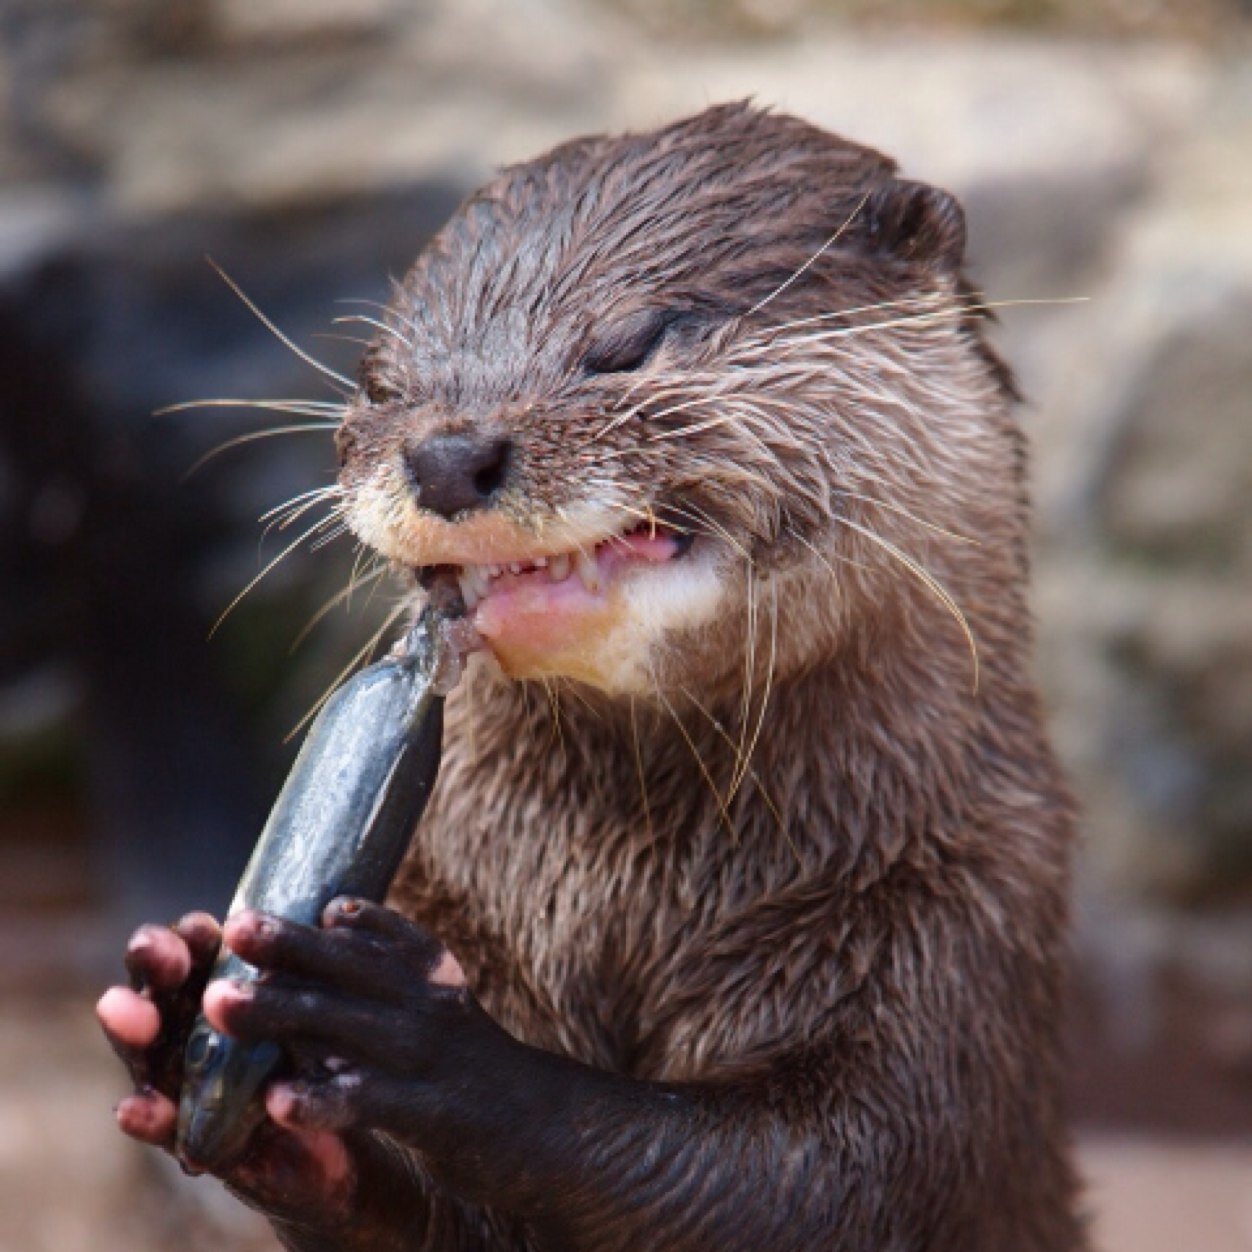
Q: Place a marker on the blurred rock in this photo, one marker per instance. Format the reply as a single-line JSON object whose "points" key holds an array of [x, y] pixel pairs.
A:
{"points": [[989, 109], [1146, 513], [285, 24], [284, 104]]}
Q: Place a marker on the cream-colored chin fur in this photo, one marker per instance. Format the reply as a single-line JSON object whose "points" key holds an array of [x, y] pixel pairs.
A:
{"points": [[649, 606], [661, 601]]}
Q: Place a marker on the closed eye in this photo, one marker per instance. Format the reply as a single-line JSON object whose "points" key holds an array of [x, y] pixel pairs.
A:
{"points": [[379, 393], [626, 345]]}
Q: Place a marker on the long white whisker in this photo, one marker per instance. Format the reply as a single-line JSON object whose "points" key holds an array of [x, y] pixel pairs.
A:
{"points": [[959, 305], [730, 743], [329, 537], [315, 493], [373, 321], [311, 408], [353, 339], [679, 432], [625, 415], [821, 556], [285, 340], [379, 304], [749, 677], [780, 327], [895, 508], [693, 512], [765, 695], [290, 548], [924, 576], [337, 599], [293, 512], [362, 654], [554, 708], [252, 436], [915, 319], [773, 295], [695, 752]]}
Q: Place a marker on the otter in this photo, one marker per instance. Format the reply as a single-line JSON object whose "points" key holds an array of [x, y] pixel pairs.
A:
{"points": [[738, 918]]}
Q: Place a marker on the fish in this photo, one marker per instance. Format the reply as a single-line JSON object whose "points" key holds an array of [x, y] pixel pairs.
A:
{"points": [[340, 826]]}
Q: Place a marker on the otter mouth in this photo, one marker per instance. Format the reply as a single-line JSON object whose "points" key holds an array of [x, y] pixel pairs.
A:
{"points": [[593, 567], [542, 605]]}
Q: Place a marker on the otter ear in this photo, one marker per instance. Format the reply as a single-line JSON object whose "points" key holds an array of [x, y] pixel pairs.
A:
{"points": [[916, 223]]}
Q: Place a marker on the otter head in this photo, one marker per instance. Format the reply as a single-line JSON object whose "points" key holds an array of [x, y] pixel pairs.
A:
{"points": [[646, 391]]}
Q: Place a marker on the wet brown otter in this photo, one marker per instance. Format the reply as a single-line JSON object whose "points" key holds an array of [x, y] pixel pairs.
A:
{"points": [[758, 876]]}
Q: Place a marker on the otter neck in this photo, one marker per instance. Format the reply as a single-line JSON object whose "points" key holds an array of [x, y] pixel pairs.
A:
{"points": [[858, 759]]}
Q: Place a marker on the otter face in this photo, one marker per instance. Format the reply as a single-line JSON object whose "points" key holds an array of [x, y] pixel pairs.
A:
{"points": [[613, 395]]}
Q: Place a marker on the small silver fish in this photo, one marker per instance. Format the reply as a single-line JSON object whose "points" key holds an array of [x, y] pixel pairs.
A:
{"points": [[340, 826]]}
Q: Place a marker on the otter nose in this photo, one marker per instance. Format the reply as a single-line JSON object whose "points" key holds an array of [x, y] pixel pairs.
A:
{"points": [[455, 473]]}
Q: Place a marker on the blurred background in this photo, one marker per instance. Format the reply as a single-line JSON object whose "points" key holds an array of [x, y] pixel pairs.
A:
{"points": [[1103, 149]]}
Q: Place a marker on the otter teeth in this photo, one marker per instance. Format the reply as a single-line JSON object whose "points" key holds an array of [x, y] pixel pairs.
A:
{"points": [[469, 594], [475, 580], [478, 579], [588, 571]]}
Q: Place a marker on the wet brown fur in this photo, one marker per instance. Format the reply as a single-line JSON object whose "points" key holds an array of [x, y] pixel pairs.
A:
{"points": [[858, 934]]}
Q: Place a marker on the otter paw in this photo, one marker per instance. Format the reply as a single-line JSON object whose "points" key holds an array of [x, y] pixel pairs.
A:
{"points": [[376, 1015], [147, 1022]]}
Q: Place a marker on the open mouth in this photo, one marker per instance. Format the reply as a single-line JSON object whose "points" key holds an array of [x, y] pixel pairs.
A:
{"points": [[542, 613], [593, 568]]}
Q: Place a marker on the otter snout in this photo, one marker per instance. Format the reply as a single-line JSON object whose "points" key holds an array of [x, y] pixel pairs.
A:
{"points": [[453, 474]]}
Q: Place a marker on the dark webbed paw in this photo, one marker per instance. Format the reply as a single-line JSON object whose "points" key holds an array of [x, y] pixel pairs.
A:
{"points": [[147, 1022], [384, 1035], [374, 1010], [309, 1175]]}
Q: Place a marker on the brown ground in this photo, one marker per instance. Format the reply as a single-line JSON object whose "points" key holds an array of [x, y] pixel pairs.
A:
{"points": [[68, 1182]]}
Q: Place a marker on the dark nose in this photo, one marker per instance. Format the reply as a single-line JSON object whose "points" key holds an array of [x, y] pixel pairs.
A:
{"points": [[456, 473]]}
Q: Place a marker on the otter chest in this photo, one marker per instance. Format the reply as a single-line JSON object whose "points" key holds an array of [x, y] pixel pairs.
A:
{"points": [[555, 943]]}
